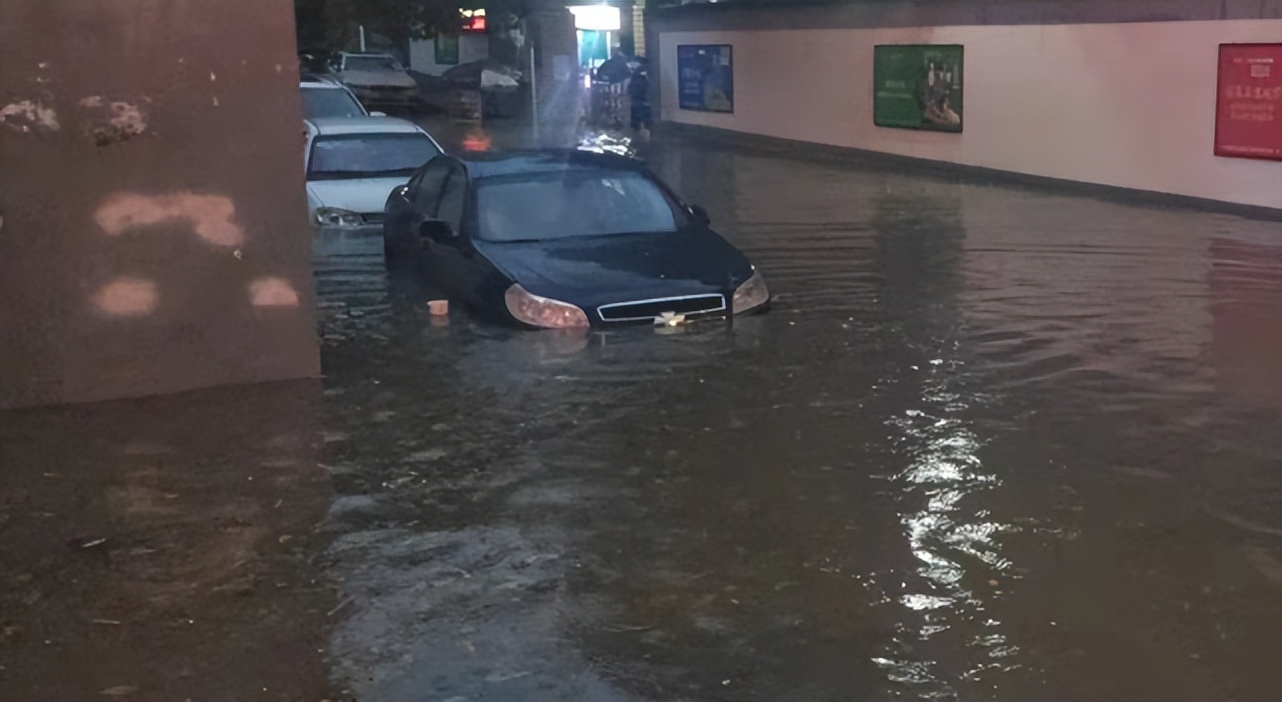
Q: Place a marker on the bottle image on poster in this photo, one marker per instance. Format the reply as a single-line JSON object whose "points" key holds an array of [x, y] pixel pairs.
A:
{"points": [[706, 77], [918, 86]]}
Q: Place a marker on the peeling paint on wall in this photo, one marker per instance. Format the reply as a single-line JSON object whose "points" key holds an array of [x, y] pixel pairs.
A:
{"points": [[33, 113], [128, 118], [129, 248], [127, 297], [272, 292], [123, 120], [212, 216]]}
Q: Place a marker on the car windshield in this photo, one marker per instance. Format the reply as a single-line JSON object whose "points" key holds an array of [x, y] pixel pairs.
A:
{"points": [[369, 155], [330, 102], [370, 63], [571, 203]]}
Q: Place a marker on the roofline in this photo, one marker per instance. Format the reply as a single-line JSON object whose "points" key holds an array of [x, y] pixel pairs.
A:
{"points": [[321, 126], [476, 168]]}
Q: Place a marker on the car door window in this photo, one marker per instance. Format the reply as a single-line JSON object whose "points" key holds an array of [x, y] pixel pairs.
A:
{"points": [[451, 206], [427, 194]]}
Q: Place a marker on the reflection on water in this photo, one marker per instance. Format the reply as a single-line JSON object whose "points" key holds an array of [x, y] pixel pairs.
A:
{"points": [[989, 444]]}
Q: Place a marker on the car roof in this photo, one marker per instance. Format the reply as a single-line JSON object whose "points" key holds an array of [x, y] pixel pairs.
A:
{"points": [[361, 125], [318, 82], [491, 164]]}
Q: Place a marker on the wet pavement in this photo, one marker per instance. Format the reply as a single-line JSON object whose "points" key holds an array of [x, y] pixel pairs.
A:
{"points": [[989, 444]]}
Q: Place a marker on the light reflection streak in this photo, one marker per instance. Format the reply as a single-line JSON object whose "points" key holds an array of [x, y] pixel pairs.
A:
{"points": [[954, 548]]}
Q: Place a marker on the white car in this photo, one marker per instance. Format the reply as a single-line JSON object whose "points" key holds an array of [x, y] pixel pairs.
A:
{"points": [[377, 79], [353, 163], [326, 98]]}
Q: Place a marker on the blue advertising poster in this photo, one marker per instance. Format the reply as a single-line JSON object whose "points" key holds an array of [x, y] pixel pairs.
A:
{"points": [[706, 77]]}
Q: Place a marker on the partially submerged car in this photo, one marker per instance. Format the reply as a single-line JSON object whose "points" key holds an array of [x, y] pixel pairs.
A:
{"points": [[323, 97], [352, 163], [377, 79], [565, 239]]}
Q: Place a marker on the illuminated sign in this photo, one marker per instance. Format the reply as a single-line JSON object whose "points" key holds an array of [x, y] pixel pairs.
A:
{"points": [[601, 18], [473, 20]]}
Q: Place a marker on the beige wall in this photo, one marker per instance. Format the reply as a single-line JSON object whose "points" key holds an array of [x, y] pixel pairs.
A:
{"points": [[1126, 104]]}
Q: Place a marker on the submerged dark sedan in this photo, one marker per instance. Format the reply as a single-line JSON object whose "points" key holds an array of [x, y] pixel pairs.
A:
{"points": [[565, 239]]}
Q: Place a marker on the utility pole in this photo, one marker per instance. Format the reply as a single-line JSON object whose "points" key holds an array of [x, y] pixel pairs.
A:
{"points": [[534, 84]]}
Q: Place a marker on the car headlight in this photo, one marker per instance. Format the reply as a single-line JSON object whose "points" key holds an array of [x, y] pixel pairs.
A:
{"points": [[541, 311], [334, 217], [752, 294]]}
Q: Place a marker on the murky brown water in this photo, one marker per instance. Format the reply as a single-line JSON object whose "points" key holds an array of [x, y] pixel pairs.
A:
{"points": [[164, 548], [989, 444]]}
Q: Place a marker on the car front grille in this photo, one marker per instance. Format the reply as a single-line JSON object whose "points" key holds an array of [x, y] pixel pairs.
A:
{"points": [[650, 309]]}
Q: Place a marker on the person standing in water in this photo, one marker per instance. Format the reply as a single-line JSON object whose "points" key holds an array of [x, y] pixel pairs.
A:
{"points": [[639, 97], [615, 73]]}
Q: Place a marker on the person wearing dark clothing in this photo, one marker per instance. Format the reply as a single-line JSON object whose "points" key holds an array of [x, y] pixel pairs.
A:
{"points": [[614, 73], [615, 70], [639, 96]]}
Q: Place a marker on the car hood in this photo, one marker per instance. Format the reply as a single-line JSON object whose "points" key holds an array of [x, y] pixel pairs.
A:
{"points": [[380, 79], [364, 195], [590, 271]]}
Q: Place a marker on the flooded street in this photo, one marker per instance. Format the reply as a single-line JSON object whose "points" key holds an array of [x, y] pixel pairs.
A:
{"points": [[989, 444]]}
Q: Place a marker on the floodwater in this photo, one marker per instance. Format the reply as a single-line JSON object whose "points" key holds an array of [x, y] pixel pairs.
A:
{"points": [[990, 443]]}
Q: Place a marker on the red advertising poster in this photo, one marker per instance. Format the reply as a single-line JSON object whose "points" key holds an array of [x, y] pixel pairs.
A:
{"points": [[1248, 101]]}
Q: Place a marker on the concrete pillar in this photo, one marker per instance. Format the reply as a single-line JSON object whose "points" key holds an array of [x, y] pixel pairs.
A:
{"points": [[153, 234], [551, 31]]}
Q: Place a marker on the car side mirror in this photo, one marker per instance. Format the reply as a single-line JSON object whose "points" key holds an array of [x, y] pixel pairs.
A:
{"points": [[700, 214], [376, 113], [435, 230]]}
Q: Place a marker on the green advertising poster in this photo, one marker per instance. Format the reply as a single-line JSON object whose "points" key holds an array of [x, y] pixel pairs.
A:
{"points": [[446, 50], [918, 86]]}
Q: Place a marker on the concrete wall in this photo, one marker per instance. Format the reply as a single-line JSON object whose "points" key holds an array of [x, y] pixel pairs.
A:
{"points": [[1124, 104], [866, 14], [556, 46], [153, 236]]}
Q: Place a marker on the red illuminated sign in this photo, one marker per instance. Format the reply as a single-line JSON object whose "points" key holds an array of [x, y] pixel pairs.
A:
{"points": [[1248, 101], [473, 20]]}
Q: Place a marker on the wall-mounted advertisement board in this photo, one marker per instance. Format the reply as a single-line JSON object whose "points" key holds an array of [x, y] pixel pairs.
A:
{"points": [[705, 74], [1248, 101], [918, 86]]}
